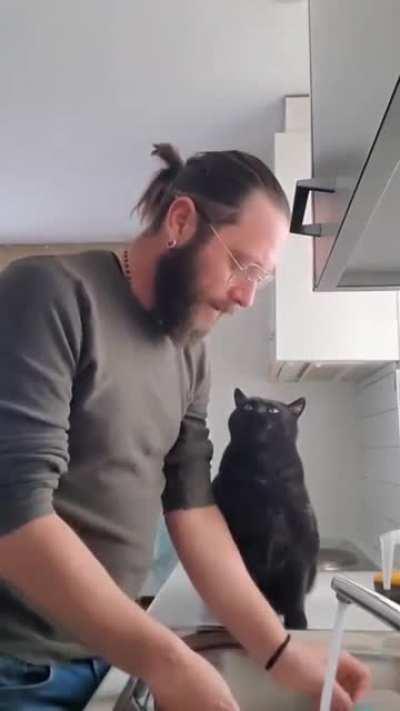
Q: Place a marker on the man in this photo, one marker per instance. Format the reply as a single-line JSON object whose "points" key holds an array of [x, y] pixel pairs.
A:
{"points": [[103, 393]]}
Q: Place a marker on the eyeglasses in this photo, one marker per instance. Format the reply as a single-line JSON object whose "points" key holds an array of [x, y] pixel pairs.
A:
{"points": [[252, 273]]}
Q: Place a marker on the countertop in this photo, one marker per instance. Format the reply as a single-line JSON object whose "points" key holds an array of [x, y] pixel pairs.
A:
{"points": [[179, 606]]}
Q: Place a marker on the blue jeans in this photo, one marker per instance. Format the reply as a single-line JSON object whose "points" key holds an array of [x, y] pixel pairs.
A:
{"points": [[52, 687]]}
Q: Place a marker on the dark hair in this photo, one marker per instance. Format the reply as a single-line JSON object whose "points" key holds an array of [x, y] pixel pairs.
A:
{"points": [[218, 182]]}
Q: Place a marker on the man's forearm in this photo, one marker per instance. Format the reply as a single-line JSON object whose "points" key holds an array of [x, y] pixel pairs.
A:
{"points": [[210, 556], [61, 578]]}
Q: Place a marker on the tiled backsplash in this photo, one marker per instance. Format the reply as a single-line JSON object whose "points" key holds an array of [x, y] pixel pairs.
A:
{"points": [[377, 409]]}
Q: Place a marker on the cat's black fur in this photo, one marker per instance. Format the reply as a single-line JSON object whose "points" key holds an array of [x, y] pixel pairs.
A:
{"points": [[261, 492]]}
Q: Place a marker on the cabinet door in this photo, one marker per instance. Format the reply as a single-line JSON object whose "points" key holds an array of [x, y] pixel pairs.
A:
{"points": [[355, 64], [312, 326]]}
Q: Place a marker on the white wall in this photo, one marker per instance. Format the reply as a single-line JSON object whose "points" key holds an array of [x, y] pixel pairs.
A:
{"points": [[377, 410], [328, 433], [87, 87]]}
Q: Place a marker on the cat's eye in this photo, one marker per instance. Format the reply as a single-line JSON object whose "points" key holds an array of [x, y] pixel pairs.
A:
{"points": [[273, 410], [247, 406]]}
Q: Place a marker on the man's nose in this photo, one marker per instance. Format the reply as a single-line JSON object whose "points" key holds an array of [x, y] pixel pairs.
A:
{"points": [[243, 294]]}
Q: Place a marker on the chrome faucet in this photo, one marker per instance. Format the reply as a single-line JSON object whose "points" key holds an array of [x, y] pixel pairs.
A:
{"points": [[349, 592]]}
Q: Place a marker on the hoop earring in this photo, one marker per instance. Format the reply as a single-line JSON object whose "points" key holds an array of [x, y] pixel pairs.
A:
{"points": [[171, 243]]}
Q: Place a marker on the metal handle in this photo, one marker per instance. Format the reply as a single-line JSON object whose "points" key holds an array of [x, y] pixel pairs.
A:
{"points": [[303, 187]]}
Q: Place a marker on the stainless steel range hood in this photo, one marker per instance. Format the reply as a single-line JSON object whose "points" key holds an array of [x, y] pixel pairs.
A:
{"points": [[358, 247]]}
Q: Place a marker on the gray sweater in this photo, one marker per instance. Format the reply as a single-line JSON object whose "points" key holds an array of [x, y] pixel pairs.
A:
{"points": [[101, 416]]}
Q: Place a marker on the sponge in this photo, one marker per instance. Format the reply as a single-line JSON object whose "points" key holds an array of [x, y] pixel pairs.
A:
{"points": [[378, 577], [394, 592]]}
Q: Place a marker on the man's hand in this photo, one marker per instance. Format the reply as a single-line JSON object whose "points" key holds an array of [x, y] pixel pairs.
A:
{"points": [[62, 579], [191, 684], [213, 562], [302, 667]]}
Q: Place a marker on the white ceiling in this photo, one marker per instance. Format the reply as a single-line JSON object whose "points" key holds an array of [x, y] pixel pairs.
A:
{"points": [[87, 86]]}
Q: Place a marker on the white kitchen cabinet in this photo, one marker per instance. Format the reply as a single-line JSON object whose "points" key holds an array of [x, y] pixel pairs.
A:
{"points": [[355, 90], [338, 332]]}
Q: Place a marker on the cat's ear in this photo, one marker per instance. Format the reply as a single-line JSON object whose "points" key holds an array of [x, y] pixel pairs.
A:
{"points": [[297, 406], [239, 397]]}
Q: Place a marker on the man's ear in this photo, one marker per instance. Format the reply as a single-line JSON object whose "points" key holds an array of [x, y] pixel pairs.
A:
{"points": [[181, 221]]}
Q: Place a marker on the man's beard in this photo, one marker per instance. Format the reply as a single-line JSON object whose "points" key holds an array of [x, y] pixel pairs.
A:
{"points": [[176, 291]]}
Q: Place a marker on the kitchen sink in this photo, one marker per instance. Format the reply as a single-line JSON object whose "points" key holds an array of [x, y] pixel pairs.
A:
{"points": [[342, 555], [255, 690], [336, 559]]}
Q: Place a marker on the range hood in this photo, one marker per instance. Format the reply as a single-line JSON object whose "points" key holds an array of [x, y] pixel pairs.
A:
{"points": [[358, 246]]}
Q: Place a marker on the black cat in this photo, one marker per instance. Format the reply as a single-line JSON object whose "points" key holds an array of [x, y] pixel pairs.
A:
{"points": [[261, 492]]}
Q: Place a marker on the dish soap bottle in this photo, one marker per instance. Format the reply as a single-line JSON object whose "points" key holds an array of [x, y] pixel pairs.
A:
{"points": [[388, 582]]}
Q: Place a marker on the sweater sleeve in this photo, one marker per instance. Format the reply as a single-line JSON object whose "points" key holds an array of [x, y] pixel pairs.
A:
{"points": [[40, 341], [187, 465]]}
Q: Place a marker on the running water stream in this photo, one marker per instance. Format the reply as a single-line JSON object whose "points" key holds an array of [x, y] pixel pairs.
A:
{"points": [[334, 653]]}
